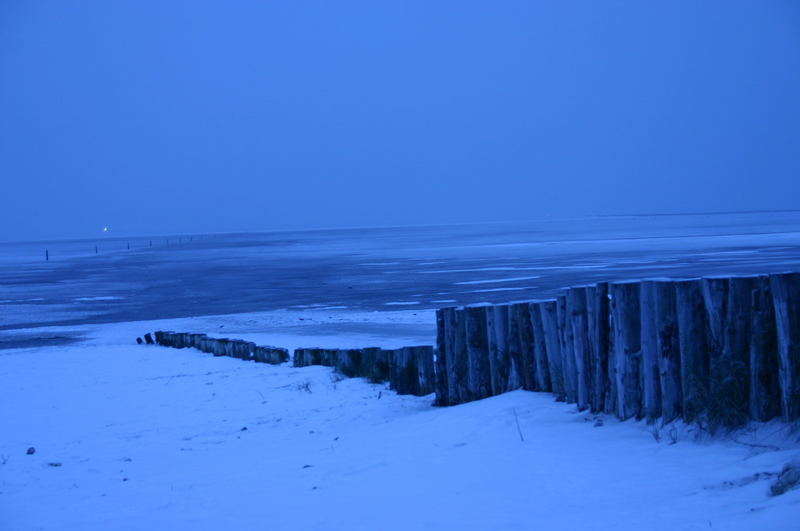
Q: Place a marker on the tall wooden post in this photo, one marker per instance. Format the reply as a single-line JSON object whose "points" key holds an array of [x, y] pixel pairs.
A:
{"points": [[786, 299], [627, 348]]}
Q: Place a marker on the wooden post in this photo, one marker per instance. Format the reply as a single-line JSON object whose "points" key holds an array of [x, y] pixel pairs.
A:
{"points": [[567, 350], [425, 376], [478, 371], [406, 377], [578, 322], [375, 362], [651, 382], [277, 355], [514, 349], [693, 346], [668, 355], [148, 339], [451, 340], [539, 349], [46, 255], [730, 373], [220, 347], [440, 365], [627, 348], [765, 393], [461, 358], [527, 348], [553, 343], [349, 362], [786, 299], [499, 363], [599, 344]]}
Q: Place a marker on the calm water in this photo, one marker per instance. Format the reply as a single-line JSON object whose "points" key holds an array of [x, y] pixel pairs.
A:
{"points": [[376, 269]]}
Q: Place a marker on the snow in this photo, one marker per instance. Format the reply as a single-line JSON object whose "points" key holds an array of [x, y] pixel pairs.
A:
{"points": [[154, 438]]}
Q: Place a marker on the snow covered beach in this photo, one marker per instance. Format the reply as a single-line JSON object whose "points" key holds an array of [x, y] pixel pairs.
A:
{"points": [[131, 437], [128, 436]]}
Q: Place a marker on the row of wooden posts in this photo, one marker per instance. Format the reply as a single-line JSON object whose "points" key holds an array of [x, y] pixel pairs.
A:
{"points": [[409, 370], [715, 350], [233, 348]]}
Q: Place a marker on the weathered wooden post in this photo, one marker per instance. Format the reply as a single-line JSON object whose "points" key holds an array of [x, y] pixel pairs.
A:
{"points": [[765, 392], [221, 347], [440, 365], [278, 355], [196, 341], [375, 362], [461, 357], [425, 376], [263, 354], [599, 344], [730, 372], [539, 349], [515, 369], [567, 350], [693, 346], [577, 321], [668, 353], [499, 364], [552, 338], [349, 362], [478, 371], [451, 346], [148, 339], [651, 382], [786, 299], [399, 371], [627, 347], [299, 358], [715, 298], [527, 347]]}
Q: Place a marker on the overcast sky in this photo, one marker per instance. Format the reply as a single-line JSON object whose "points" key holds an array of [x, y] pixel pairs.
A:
{"points": [[155, 117]]}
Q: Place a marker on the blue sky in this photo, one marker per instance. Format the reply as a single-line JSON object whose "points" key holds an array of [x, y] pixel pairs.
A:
{"points": [[184, 117]]}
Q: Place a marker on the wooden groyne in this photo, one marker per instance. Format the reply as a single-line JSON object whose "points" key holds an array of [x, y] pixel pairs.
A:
{"points": [[720, 351], [409, 370], [232, 348]]}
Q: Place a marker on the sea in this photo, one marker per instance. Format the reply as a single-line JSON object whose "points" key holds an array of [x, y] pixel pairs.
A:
{"points": [[114, 279]]}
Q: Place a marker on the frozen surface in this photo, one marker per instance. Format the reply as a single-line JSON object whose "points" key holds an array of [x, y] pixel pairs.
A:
{"points": [[132, 437], [376, 269]]}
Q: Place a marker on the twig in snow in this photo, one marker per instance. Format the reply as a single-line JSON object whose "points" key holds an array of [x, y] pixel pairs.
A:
{"points": [[516, 419]]}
